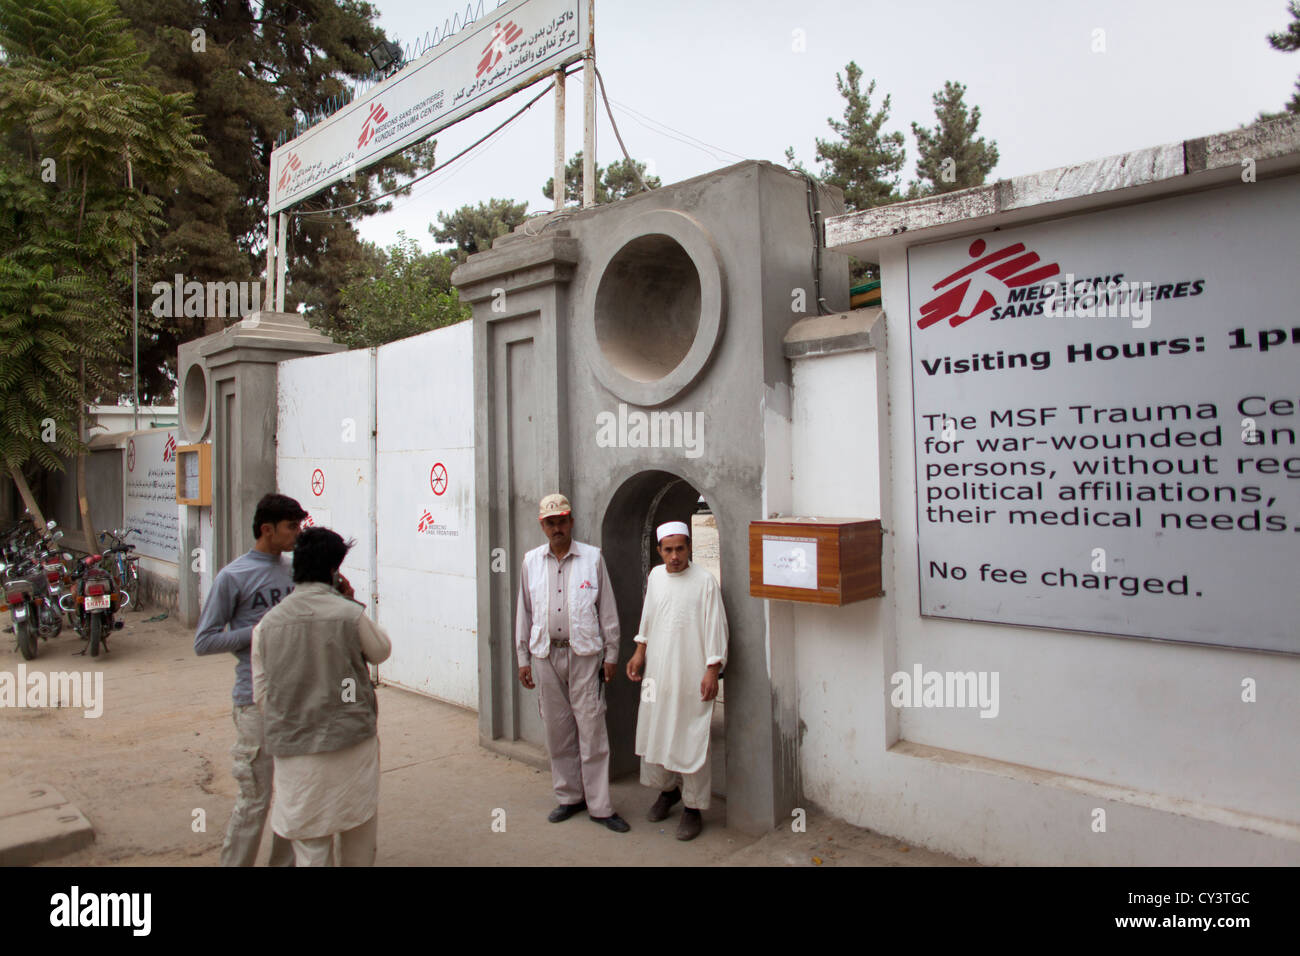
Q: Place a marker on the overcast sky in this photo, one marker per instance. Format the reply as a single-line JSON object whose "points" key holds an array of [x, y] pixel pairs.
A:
{"points": [[714, 82]]}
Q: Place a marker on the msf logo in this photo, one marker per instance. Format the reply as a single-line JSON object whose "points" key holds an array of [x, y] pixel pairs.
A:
{"points": [[503, 34], [376, 116], [979, 286], [291, 164]]}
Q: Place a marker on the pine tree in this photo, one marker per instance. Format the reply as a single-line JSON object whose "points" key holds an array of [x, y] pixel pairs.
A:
{"points": [[950, 156], [614, 182], [1288, 41], [471, 229], [865, 162]]}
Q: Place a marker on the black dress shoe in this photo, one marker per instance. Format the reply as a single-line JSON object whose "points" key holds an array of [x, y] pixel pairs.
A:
{"points": [[614, 822], [566, 810]]}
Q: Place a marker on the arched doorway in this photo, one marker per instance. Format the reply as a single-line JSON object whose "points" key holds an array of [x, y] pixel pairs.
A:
{"points": [[627, 534]]}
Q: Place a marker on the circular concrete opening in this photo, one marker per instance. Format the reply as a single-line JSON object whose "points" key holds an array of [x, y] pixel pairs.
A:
{"points": [[655, 306], [648, 308], [194, 400]]}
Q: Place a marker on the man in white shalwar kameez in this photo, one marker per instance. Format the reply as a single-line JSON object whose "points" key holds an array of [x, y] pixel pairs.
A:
{"points": [[681, 650]]}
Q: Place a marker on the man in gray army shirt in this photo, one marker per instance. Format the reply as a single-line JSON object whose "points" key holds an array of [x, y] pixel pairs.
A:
{"points": [[242, 593]]}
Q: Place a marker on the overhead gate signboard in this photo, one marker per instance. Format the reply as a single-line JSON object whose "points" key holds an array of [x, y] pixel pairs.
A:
{"points": [[517, 44], [1106, 411]]}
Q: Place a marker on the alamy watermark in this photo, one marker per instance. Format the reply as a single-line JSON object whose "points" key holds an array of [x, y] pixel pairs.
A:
{"points": [[638, 429], [946, 689], [199, 299], [83, 689], [128, 910], [1088, 299]]}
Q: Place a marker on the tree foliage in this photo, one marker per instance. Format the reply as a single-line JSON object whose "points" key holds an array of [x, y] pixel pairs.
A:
{"points": [[72, 116], [471, 229], [864, 162], [613, 182], [412, 293], [252, 67], [1288, 41], [951, 157]]}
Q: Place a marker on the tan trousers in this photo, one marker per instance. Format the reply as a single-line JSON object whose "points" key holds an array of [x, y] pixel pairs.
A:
{"points": [[697, 788], [573, 710], [253, 770], [356, 847]]}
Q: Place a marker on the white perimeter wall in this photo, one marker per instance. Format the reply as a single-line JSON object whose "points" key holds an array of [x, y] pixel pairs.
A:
{"points": [[417, 396], [1154, 734]]}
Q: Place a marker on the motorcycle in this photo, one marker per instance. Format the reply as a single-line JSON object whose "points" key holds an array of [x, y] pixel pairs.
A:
{"points": [[49, 580], [97, 599], [123, 565], [20, 597]]}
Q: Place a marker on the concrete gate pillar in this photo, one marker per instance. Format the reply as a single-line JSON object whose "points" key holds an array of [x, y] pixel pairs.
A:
{"points": [[228, 395], [659, 316], [518, 291]]}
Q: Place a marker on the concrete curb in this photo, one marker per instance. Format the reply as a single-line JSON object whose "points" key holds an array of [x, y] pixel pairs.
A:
{"points": [[38, 824]]}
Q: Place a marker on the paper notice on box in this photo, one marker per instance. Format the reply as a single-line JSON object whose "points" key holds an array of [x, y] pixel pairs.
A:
{"points": [[790, 562]]}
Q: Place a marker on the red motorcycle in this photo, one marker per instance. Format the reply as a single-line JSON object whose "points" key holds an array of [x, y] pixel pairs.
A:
{"points": [[98, 599]]}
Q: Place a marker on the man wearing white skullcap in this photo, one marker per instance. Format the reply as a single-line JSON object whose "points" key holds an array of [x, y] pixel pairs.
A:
{"points": [[681, 650]]}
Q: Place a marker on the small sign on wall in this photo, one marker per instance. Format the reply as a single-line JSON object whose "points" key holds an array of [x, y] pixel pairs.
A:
{"points": [[789, 562], [815, 560]]}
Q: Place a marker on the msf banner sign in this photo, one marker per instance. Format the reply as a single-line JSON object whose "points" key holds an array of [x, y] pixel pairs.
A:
{"points": [[519, 43]]}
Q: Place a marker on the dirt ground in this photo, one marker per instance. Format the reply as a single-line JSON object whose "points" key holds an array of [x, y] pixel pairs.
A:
{"points": [[152, 774]]}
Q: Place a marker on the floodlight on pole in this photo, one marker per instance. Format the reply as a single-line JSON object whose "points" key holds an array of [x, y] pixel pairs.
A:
{"points": [[386, 56]]}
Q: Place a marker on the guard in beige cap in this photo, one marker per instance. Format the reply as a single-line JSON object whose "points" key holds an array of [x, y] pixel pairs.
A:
{"points": [[566, 626], [681, 649]]}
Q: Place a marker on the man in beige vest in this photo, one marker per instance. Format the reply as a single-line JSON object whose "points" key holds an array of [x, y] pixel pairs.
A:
{"points": [[566, 626], [319, 709]]}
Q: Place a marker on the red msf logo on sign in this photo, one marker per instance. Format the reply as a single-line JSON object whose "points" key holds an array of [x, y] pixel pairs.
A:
{"points": [[426, 521], [291, 164], [308, 522], [376, 116], [169, 449], [503, 34], [980, 284]]}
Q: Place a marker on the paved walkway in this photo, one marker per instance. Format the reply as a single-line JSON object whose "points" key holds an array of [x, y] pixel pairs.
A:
{"points": [[152, 775]]}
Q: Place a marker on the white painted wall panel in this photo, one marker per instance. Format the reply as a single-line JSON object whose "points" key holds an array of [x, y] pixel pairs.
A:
{"points": [[426, 545], [323, 430]]}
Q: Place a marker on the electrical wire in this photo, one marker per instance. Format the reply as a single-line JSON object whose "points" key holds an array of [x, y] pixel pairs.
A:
{"points": [[605, 96], [816, 223], [689, 140]]}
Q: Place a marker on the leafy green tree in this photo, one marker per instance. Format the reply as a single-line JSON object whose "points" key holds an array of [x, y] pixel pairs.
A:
{"points": [[1288, 41], [865, 162], [252, 69], [412, 293], [76, 127], [614, 182], [471, 229], [951, 157]]}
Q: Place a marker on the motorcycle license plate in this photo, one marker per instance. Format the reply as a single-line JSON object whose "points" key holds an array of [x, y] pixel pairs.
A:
{"points": [[20, 613], [98, 603]]}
